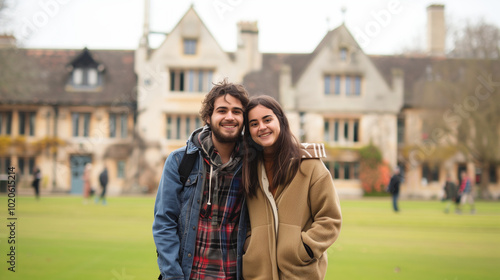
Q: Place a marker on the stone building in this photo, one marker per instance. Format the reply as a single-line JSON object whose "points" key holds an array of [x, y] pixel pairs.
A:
{"points": [[335, 94], [60, 109]]}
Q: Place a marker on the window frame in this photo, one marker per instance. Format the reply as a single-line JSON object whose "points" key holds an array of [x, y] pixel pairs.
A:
{"points": [[190, 80], [118, 125], [190, 46], [343, 170], [26, 123], [343, 84], [180, 126], [343, 53], [6, 123], [86, 77], [342, 130], [80, 124]]}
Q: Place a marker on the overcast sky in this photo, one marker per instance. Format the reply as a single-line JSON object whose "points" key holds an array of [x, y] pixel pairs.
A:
{"points": [[380, 26]]}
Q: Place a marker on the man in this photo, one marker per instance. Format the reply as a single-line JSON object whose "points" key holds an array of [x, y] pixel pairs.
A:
{"points": [[200, 227], [450, 193], [394, 188], [465, 193]]}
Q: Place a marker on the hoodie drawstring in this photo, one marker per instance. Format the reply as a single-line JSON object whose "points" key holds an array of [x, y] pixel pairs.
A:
{"points": [[210, 187]]}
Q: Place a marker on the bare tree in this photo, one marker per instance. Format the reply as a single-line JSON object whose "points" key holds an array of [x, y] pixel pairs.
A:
{"points": [[3, 17], [2, 4], [476, 40]]}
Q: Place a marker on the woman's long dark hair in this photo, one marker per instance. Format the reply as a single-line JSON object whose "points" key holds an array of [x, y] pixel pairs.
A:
{"points": [[287, 156]]}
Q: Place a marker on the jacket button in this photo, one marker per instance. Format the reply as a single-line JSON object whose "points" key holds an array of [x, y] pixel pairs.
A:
{"points": [[194, 228], [198, 201], [189, 255]]}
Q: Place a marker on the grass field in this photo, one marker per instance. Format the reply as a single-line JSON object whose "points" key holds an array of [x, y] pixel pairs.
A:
{"points": [[60, 238]]}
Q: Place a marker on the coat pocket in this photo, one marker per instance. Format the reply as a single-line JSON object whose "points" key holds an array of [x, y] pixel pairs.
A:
{"points": [[291, 249]]}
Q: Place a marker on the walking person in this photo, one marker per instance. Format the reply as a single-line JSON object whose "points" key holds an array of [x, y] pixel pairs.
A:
{"points": [[293, 206], [199, 226], [465, 193], [450, 193], [86, 182], [103, 181], [36, 182], [394, 185]]}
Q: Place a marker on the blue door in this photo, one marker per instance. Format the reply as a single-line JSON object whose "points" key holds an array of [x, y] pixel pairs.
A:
{"points": [[77, 167]]}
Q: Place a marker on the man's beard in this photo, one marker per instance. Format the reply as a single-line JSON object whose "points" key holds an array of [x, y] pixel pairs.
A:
{"points": [[223, 138]]}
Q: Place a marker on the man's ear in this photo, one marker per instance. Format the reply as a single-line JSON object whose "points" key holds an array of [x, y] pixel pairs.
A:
{"points": [[207, 120]]}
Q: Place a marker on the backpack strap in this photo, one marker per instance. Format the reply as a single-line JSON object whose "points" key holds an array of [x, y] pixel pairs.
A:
{"points": [[186, 165]]}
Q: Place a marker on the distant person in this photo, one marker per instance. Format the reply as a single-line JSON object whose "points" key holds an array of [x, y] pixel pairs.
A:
{"points": [[87, 189], [465, 193], [450, 194], [103, 181], [36, 182], [394, 188]]}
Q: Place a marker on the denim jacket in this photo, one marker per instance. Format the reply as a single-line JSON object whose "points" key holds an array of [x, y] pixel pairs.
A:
{"points": [[176, 214]]}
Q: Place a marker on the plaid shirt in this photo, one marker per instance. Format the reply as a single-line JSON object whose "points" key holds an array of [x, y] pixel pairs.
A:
{"points": [[216, 251]]}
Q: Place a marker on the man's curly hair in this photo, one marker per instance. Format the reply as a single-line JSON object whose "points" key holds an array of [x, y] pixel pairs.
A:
{"points": [[222, 89]]}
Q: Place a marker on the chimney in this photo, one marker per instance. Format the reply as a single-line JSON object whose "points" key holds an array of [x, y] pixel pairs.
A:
{"points": [[436, 30], [142, 52], [248, 55], [144, 42], [7, 41]]}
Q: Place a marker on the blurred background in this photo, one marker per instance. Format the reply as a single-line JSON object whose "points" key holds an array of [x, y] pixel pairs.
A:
{"points": [[382, 84]]}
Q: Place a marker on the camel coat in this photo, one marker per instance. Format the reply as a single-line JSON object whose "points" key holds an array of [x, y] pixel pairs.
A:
{"points": [[305, 213]]}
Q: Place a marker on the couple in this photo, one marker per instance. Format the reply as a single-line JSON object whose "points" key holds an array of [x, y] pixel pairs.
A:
{"points": [[257, 206]]}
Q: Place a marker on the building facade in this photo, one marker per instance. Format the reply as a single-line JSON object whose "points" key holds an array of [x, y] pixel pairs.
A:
{"points": [[334, 95], [129, 109], [62, 109]]}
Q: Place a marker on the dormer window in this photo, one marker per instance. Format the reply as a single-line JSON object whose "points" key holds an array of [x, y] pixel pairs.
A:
{"points": [[85, 73], [190, 46]]}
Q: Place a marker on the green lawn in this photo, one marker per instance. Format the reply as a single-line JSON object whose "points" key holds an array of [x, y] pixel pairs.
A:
{"points": [[60, 238]]}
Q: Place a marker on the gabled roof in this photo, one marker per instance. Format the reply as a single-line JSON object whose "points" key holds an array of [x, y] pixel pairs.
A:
{"points": [[193, 10], [40, 76], [422, 69], [413, 68], [266, 81], [322, 44], [84, 59]]}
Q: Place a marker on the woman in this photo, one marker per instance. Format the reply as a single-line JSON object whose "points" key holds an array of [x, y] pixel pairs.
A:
{"points": [[293, 206], [87, 189]]}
